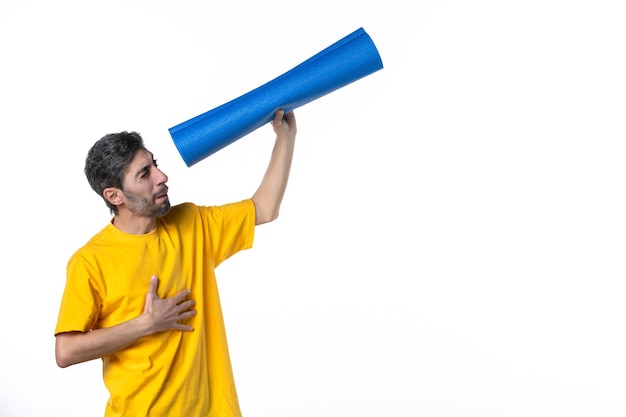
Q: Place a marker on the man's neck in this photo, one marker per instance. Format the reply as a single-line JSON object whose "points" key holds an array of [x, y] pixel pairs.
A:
{"points": [[133, 224]]}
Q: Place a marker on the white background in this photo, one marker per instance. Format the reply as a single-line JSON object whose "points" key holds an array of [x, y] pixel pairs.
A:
{"points": [[452, 239]]}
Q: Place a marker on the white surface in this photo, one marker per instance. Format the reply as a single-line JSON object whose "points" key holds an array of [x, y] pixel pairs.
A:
{"points": [[452, 239]]}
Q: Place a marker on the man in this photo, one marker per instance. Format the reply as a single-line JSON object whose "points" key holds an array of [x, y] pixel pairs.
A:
{"points": [[142, 294]]}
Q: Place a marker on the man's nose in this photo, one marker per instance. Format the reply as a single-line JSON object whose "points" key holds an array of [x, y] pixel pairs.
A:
{"points": [[161, 176]]}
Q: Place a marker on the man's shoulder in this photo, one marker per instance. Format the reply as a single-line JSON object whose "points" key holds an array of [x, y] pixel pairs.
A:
{"points": [[189, 212], [182, 211], [98, 238], [188, 207], [183, 207], [93, 245]]}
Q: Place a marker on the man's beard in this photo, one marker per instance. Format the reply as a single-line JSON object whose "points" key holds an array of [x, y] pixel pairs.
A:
{"points": [[143, 207]]}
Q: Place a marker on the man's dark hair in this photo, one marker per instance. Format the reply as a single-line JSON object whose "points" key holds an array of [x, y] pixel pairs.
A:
{"points": [[108, 159]]}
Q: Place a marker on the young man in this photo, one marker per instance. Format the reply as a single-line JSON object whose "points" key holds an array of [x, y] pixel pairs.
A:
{"points": [[142, 295]]}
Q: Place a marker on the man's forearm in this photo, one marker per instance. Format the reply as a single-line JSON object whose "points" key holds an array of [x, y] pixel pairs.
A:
{"points": [[76, 347], [268, 198]]}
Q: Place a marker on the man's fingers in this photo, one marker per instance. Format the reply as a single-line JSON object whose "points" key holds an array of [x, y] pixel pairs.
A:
{"points": [[181, 295], [184, 328], [186, 305], [186, 314], [278, 117]]}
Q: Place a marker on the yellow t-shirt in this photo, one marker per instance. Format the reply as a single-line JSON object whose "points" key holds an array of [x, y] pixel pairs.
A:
{"points": [[170, 373]]}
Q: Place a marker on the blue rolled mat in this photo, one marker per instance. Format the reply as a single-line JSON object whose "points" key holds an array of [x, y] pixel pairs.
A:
{"points": [[347, 60]]}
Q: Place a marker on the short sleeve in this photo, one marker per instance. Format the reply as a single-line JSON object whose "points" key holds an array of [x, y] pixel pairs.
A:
{"points": [[81, 302], [229, 228]]}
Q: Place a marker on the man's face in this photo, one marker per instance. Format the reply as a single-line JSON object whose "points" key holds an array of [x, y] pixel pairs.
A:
{"points": [[144, 186]]}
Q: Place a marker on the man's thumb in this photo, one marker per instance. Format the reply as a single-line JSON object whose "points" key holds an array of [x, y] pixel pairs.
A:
{"points": [[154, 283]]}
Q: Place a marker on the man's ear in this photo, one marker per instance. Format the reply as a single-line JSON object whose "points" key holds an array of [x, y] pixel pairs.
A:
{"points": [[113, 195]]}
